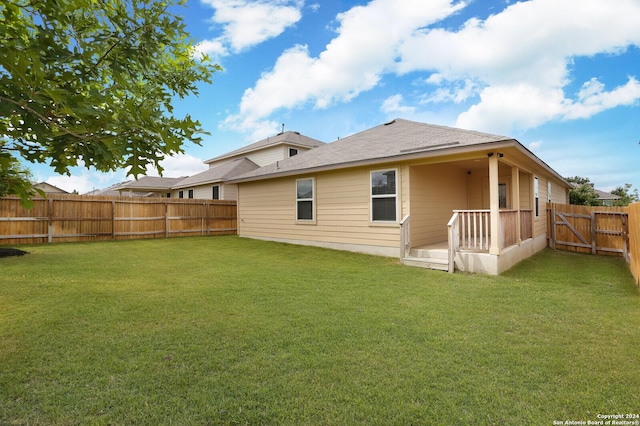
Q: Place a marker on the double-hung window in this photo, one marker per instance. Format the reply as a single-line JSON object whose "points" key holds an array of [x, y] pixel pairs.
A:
{"points": [[304, 199], [384, 193]]}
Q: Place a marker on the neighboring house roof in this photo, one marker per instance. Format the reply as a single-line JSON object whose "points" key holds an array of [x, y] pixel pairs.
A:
{"points": [[150, 183], [109, 191], [606, 195], [396, 140], [602, 195], [219, 173], [49, 189], [285, 138]]}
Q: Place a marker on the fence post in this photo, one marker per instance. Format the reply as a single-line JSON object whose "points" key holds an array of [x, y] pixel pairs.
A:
{"points": [[166, 219], [113, 220], [50, 221], [625, 236], [553, 227], [593, 232]]}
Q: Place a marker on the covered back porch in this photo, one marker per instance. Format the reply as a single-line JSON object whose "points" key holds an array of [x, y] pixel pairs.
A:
{"points": [[470, 214]]}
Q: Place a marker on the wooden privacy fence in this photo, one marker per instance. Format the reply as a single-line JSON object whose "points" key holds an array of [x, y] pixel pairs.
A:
{"points": [[71, 218], [634, 241], [587, 229]]}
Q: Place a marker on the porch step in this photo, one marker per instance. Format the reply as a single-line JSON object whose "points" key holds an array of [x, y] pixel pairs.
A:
{"points": [[427, 262], [429, 253]]}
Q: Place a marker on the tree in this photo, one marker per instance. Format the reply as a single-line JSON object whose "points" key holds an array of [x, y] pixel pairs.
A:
{"points": [[583, 192], [91, 82], [627, 196]]}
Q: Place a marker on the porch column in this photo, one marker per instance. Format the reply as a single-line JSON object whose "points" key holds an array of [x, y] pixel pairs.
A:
{"points": [[494, 204], [515, 197]]}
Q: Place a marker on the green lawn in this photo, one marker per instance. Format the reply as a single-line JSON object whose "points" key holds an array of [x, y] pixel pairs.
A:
{"points": [[224, 330]]}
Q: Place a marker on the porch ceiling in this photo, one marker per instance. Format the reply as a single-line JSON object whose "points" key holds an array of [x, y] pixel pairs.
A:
{"points": [[512, 156]]}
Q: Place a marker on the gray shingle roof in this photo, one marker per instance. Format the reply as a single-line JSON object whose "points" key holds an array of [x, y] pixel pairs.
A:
{"points": [[394, 139], [151, 183], [289, 138], [219, 173]]}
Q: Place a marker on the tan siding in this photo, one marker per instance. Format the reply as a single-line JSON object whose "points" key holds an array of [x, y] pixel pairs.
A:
{"points": [[203, 192], [267, 209], [436, 191], [267, 156], [558, 195], [475, 190], [525, 191], [228, 191]]}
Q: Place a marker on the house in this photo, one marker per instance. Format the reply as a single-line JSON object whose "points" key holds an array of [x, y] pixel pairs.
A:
{"points": [[149, 186], [212, 183], [434, 196], [47, 188], [607, 198]]}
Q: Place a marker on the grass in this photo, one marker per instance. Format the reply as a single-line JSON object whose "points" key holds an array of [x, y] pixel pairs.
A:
{"points": [[224, 330]]}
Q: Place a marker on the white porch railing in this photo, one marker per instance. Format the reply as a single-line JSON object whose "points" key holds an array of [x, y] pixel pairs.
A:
{"points": [[405, 236], [468, 230], [474, 227]]}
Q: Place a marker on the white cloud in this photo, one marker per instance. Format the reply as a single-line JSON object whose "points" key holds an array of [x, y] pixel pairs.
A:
{"points": [[179, 165], [393, 104], [248, 23], [517, 62], [213, 48], [366, 47], [522, 106], [84, 181], [534, 146], [593, 99], [521, 57], [456, 92]]}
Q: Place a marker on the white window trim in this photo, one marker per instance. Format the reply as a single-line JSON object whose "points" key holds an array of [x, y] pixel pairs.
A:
{"points": [[371, 196], [312, 199], [549, 191], [536, 198]]}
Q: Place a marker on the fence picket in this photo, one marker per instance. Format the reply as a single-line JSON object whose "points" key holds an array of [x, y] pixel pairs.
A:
{"points": [[69, 218]]}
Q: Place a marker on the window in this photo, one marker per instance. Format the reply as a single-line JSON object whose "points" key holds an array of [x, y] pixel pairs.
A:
{"points": [[168, 195], [292, 152], [181, 194], [216, 192], [304, 199], [535, 195], [502, 195], [383, 196], [191, 193]]}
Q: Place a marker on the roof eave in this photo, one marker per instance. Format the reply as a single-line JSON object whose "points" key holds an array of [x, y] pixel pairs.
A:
{"points": [[194, 184], [400, 157], [407, 157]]}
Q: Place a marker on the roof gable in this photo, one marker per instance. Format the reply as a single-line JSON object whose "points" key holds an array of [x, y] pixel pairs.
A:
{"points": [[285, 138]]}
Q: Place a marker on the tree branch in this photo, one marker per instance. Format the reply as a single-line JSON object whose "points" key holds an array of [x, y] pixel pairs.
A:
{"points": [[47, 120]]}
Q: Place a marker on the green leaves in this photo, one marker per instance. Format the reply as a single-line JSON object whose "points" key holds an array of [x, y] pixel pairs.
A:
{"points": [[88, 85]]}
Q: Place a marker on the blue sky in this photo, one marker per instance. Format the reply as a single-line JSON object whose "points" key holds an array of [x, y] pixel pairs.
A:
{"points": [[560, 76]]}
